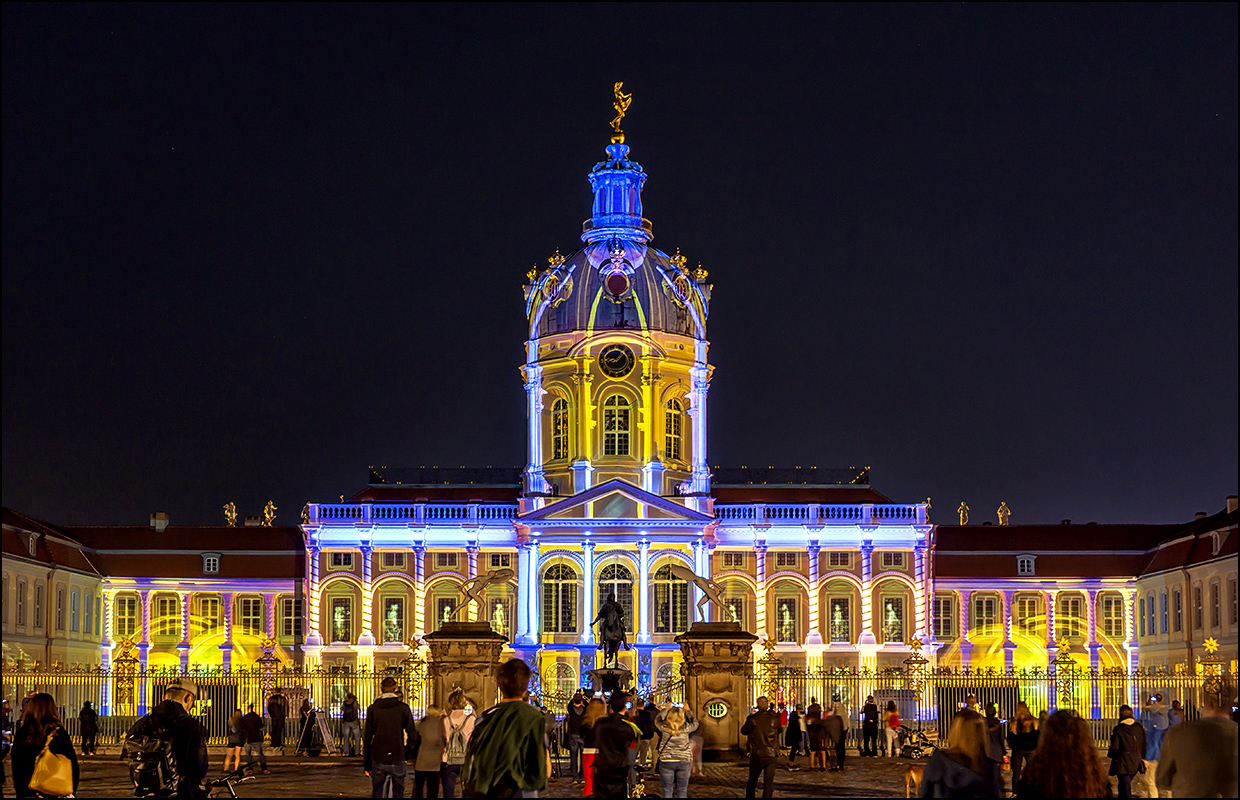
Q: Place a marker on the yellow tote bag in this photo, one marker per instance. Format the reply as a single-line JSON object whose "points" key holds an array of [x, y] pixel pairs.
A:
{"points": [[53, 774]]}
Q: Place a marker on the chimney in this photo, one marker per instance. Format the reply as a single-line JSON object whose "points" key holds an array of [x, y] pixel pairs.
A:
{"points": [[159, 521], [1231, 503], [1202, 515], [1065, 522], [253, 521]]}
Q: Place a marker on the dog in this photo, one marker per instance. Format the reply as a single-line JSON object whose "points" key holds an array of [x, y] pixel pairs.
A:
{"points": [[912, 779]]}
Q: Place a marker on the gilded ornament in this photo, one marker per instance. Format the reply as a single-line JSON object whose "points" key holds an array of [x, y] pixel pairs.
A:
{"points": [[230, 514], [1210, 645], [269, 514], [963, 511], [1004, 512], [621, 104]]}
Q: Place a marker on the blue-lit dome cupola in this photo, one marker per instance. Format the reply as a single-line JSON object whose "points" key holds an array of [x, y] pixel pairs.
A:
{"points": [[616, 368]]}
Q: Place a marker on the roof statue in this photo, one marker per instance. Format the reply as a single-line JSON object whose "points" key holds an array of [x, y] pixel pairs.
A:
{"points": [[928, 507], [305, 514], [963, 511], [230, 514], [710, 590], [621, 104], [1004, 512], [474, 589], [269, 514]]}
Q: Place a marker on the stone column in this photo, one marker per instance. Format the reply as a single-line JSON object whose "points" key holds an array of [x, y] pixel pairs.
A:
{"points": [[419, 590], [1009, 646], [269, 608], [144, 645], [471, 554], [313, 638], [814, 635], [760, 594], [1052, 649], [226, 599], [105, 652], [465, 655], [184, 647], [524, 589], [1091, 638], [367, 637], [643, 591], [965, 645], [866, 636], [587, 592], [718, 657], [695, 594], [921, 600]]}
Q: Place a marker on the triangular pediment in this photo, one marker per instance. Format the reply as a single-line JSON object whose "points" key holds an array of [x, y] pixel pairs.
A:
{"points": [[615, 499]]}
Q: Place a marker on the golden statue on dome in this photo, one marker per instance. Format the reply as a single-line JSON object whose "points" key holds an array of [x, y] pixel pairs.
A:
{"points": [[621, 104], [269, 514]]}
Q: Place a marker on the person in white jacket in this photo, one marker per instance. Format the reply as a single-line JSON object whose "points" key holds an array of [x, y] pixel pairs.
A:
{"points": [[675, 757]]}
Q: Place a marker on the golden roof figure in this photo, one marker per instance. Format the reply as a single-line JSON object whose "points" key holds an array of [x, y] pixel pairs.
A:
{"points": [[621, 104], [305, 514], [1004, 512], [963, 511], [230, 515], [269, 514]]}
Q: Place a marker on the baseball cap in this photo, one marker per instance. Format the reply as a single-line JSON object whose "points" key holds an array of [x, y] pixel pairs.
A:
{"points": [[186, 685]]}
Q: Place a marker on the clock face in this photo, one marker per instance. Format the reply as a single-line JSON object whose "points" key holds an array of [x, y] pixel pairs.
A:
{"points": [[616, 361]]}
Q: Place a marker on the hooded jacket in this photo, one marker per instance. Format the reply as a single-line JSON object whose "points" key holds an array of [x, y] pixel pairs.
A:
{"points": [[388, 721], [1127, 747]]}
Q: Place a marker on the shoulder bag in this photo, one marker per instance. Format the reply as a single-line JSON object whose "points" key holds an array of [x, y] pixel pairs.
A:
{"points": [[53, 774]]}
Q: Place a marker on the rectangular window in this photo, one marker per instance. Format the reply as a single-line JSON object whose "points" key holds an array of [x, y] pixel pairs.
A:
{"points": [[393, 619], [126, 616], [985, 617], [167, 615], [559, 611], [943, 618], [736, 609], [60, 609], [1231, 593], [211, 565], [444, 606], [21, 603], [893, 619], [786, 620], [208, 613], [1216, 616], [734, 560], [38, 605], [559, 429], [342, 561], [1068, 617], [4, 601], [88, 614], [671, 430], [1024, 566], [786, 560], [252, 615], [1026, 614], [616, 428], [1178, 604], [1153, 617], [841, 620], [342, 619], [446, 560], [893, 560], [290, 621], [75, 607], [501, 560], [841, 559], [1162, 604], [1197, 608], [671, 603], [1141, 614], [1113, 617], [393, 560], [98, 616]]}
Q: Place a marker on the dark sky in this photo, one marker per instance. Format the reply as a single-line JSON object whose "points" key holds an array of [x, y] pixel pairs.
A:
{"points": [[990, 251]]}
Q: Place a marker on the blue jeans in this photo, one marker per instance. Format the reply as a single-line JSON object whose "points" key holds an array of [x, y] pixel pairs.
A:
{"points": [[574, 756], [351, 738], [381, 773], [674, 771], [1153, 744]]}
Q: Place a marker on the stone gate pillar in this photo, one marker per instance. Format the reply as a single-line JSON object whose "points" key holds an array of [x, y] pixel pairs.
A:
{"points": [[718, 659], [465, 655]]}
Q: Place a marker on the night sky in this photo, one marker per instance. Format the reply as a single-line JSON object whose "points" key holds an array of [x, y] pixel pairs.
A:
{"points": [[990, 251]]}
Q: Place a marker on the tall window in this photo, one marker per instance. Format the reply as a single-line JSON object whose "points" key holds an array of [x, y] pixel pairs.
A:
{"points": [[1141, 614], [1177, 600], [88, 614], [893, 619], [98, 615], [735, 600], [616, 579], [21, 603], [559, 612], [167, 615], [1216, 617], [1162, 603], [943, 618], [1153, 617], [616, 426], [841, 619], [444, 606], [1231, 593], [208, 613], [984, 616], [559, 429], [60, 609], [1196, 608], [126, 615], [671, 602], [786, 619], [736, 609], [38, 605], [393, 619], [290, 619], [671, 430], [1113, 616], [1068, 617], [342, 619], [75, 607], [1026, 613], [499, 601], [252, 615]]}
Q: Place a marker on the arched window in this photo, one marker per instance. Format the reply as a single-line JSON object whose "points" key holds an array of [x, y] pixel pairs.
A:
{"points": [[616, 579], [559, 429], [561, 679], [616, 426], [671, 430], [664, 673], [559, 612], [671, 602]]}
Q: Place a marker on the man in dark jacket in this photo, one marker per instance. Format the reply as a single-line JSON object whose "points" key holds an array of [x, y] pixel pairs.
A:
{"points": [[189, 746], [252, 731], [351, 730], [613, 736], [995, 748], [89, 720], [645, 744], [1127, 748], [277, 709], [573, 718], [836, 735], [388, 723], [869, 727], [762, 728]]}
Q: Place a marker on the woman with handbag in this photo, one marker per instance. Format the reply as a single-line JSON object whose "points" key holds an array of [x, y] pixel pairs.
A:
{"points": [[44, 764]]}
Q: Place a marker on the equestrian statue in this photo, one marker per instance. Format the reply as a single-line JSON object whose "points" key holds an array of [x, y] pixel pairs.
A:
{"points": [[611, 633]]}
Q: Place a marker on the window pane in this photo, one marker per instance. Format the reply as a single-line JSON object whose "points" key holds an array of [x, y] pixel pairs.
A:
{"points": [[893, 619], [394, 619], [840, 620], [786, 619]]}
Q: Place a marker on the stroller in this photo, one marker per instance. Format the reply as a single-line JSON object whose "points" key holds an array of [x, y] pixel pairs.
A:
{"points": [[914, 744]]}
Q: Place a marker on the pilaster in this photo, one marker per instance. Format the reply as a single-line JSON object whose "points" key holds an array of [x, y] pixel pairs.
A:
{"points": [[313, 637], [813, 637], [643, 592], [866, 636], [367, 636], [587, 592], [963, 642]]}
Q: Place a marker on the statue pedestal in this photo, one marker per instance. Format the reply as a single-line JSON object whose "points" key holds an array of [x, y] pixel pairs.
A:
{"points": [[465, 655], [609, 680], [718, 659]]}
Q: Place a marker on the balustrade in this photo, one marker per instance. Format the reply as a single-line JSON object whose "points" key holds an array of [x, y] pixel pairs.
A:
{"points": [[816, 514], [419, 513]]}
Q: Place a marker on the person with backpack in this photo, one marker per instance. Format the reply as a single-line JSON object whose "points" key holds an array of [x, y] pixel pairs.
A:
{"points": [[505, 756], [458, 726], [252, 727], [389, 723], [89, 720], [39, 728], [429, 759], [166, 750], [351, 730]]}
